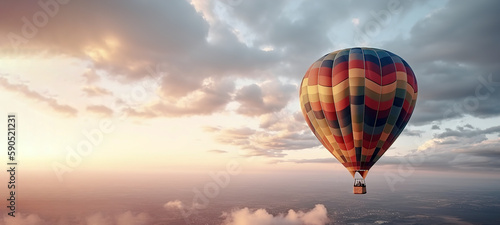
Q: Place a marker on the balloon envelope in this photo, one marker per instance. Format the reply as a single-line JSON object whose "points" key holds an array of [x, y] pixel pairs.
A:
{"points": [[357, 101]]}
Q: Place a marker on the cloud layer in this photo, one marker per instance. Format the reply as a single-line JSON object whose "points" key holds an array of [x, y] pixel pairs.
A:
{"points": [[26, 92], [125, 218], [453, 52], [247, 58], [219, 39], [277, 133], [316, 216]]}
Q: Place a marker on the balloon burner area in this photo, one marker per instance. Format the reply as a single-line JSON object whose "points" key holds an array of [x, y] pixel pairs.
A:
{"points": [[359, 184]]}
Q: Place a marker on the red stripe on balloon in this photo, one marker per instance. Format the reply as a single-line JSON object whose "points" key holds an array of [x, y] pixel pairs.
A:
{"points": [[342, 104]]}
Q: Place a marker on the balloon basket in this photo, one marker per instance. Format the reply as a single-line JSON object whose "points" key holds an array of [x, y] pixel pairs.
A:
{"points": [[359, 190], [359, 186]]}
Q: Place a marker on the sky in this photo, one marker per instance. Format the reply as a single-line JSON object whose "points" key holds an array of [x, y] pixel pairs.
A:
{"points": [[189, 86]]}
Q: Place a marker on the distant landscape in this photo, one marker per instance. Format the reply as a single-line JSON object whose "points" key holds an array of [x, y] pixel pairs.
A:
{"points": [[422, 199]]}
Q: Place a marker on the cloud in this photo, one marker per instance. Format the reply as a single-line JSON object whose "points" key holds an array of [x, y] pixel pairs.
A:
{"points": [[211, 97], [318, 160], [129, 41], [469, 126], [98, 219], [435, 32], [254, 100], [460, 149], [109, 34], [435, 127], [355, 21], [469, 132], [91, 76], [291, 27], [100, 109], [94, 91], [316, 216], [278, 133], [30, 94], [455, 78], [126, 40], [455, 94], [414, 133], [217, 151], [176, 204], [270, 96], [22, 219]]}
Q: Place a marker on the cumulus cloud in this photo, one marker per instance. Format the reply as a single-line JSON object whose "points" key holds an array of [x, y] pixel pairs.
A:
{"points": [[465, 148], [94, 91], [318, 160], [410, 132], [212, 97], [467, 131], [316, 216], [279, 132], [271, 96], [22, 219], [100, 109], [109, 34], [99, 218], [468, 126], [91, 76], [175, 204], [25, 91], [434, 32], [124, 40], [127, 39], [455, 79], [205, 55], [462, 148], [216, 39]]}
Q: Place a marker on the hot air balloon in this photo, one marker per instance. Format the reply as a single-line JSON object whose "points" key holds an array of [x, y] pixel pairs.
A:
{"points": [[357, 101]]}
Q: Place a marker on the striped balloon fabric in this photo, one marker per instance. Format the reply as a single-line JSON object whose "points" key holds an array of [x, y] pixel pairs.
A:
{"points": [[357, 101]]}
